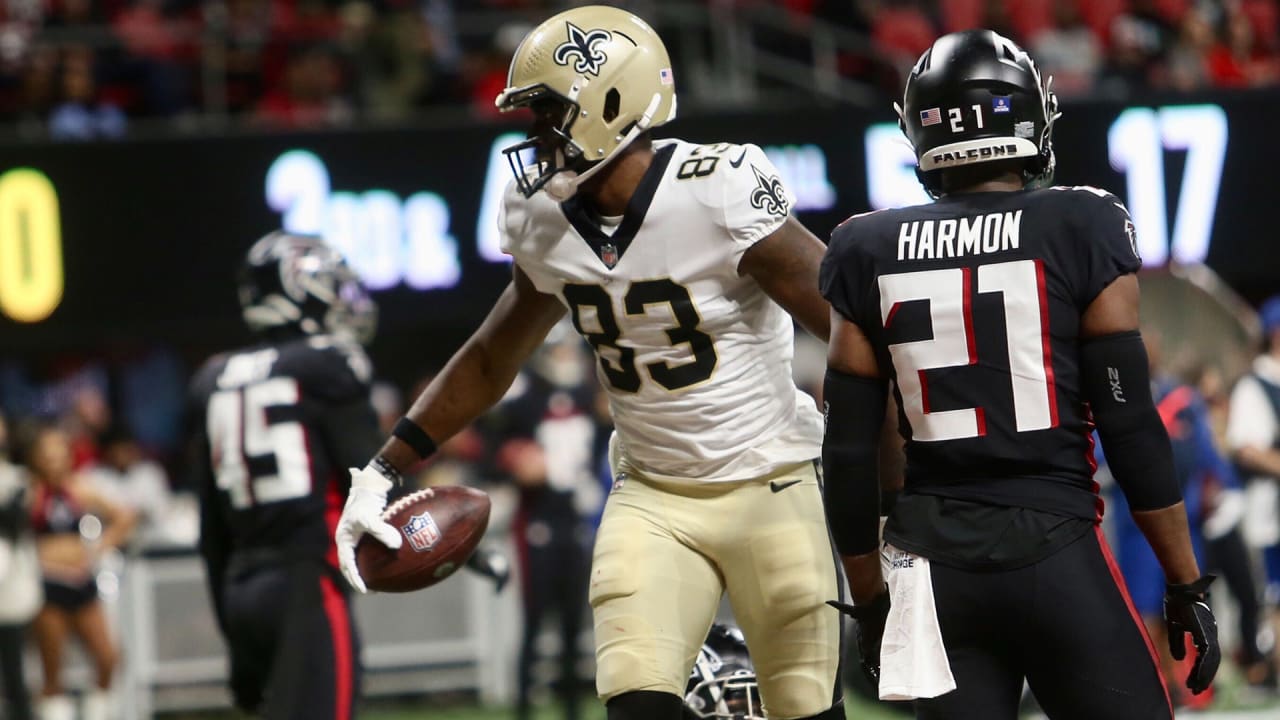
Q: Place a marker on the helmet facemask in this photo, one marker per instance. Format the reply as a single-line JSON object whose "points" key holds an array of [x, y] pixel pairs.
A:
{"points": [[550, 140]]}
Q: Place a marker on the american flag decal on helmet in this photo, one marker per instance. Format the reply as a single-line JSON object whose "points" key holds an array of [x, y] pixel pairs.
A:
{"points": [[932, 116], [422, 532]]}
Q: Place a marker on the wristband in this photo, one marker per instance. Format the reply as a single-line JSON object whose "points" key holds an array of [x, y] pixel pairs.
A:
{"points": [[415, 437], [385, 469]]}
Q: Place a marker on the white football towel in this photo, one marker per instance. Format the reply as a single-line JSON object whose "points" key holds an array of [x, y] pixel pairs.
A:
{"points": [[913, 660]]}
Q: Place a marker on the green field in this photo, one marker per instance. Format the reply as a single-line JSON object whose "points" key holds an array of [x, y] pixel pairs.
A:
{"points": [[592, 710], [1233, 702]]}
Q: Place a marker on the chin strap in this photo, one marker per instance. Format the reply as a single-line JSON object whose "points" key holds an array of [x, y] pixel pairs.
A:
{"points": [[564, 184]]}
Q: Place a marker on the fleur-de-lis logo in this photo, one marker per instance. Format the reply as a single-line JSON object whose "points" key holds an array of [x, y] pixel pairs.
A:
{"points": [[768, 195], [583, 45]]}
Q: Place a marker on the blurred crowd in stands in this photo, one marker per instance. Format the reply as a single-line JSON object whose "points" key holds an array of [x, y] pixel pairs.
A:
{"points": [[86, 68]]}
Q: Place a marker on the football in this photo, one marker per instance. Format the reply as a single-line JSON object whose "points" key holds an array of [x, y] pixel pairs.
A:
{"points": [[440, 528]]}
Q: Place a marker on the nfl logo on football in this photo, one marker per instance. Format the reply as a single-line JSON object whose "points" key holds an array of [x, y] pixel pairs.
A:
{"points": [[422, 532]]}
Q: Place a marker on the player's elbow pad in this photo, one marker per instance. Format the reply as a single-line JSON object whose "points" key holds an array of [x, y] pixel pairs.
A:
{"points": [[1116, 380], [850, 460]]}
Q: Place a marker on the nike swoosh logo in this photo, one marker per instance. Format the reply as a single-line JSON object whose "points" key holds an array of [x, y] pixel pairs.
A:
{"points": [[778, 487], [738, 163]]}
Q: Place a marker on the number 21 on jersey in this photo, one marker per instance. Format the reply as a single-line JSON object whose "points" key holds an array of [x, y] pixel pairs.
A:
{"points": [[950, 293]]}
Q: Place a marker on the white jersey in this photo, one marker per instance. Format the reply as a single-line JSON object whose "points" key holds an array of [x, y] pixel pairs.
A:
{"points": [[696, 358]]}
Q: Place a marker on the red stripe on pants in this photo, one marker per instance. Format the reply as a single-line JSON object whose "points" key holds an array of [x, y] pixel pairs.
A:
{"points": [[1133, 611], [335, 608]]}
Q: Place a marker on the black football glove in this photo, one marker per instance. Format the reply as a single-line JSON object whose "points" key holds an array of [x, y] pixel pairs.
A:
{"points": [[1186, 610], [491, 564], [870, 631]]}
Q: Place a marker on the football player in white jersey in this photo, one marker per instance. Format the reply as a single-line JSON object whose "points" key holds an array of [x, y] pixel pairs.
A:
{"points": [[682, 266]]}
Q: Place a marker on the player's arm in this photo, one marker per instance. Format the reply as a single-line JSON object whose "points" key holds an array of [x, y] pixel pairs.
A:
{"points": [[479, 373], [855, 395], [474, 379], [1118, 387], [785, 264], [1116, 382]]}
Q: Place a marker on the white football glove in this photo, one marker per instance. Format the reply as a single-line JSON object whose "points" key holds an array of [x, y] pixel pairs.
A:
{"points": [[363, 514]]}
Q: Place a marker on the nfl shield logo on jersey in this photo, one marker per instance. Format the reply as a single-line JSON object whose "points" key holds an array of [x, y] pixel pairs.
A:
{"points": [[609, 254], [422, 532]]}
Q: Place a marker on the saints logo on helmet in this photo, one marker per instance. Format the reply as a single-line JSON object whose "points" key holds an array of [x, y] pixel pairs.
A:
{"points": [[297, 283], [595, 78], [976, 97], [583, 45]]}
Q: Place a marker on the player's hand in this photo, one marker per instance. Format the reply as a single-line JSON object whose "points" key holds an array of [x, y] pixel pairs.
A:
{"points": [[1186, 611], [870, 619], [363, 514]]}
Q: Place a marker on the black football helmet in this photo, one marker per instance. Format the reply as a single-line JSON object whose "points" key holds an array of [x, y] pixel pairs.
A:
{"points": [[723, 682], [975, 97], [297, 282]]}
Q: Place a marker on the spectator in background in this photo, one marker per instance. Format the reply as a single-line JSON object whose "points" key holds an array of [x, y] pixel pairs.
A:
{"points": [[125, 474], [1240, 60], [253, 53], [20, 595], [74, 525], [1069, 51], [396, 59], [81, 115], [1253, 437], [86, 418], [37, 87], [162, 47], [548, 430], [1186, 69], [310, 94], [1140, 40]]}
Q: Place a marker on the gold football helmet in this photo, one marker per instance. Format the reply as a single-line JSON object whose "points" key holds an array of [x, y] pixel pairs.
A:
{"points": [[595, 77]]}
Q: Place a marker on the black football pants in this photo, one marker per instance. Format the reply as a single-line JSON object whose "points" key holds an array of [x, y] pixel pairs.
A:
{"points": [[554, 580], [1065, 624], [294, 649]]}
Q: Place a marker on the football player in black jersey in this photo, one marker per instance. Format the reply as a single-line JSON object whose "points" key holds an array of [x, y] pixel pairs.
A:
{"points": [[274, 426], [1005, 315]]}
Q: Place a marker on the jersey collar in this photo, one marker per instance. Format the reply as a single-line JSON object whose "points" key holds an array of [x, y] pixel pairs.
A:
{"points": [[610, 248]]}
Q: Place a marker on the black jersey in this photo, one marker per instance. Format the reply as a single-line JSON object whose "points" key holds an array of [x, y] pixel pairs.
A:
{"points": [[973, 306], [276, 427]]}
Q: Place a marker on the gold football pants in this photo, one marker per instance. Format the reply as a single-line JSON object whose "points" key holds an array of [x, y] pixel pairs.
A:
{"points": [[667, 551]]}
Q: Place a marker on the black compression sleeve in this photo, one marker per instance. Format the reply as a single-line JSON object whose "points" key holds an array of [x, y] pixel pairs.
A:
{"points": [[850, 460], [1116, 381]]}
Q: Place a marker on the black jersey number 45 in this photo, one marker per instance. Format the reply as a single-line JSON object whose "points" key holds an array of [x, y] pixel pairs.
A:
{"points": [[619, 361]]}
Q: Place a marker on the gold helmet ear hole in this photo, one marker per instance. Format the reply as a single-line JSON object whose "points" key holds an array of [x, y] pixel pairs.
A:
{"points": [[612, 105]]}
